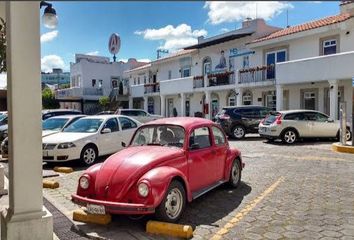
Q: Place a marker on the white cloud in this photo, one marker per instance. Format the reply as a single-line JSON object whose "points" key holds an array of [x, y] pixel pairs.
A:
{"points": [[49, 36], [173, 38], [221, 12], [51, 61], [93, 53], [224, 30]]}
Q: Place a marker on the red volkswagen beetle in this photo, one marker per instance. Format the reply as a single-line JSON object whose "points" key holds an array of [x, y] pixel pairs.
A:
{"points": [[168, 162]]}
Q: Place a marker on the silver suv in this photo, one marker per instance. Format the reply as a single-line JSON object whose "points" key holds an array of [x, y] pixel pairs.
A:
{"points": [[291, 125], [138, 114]]}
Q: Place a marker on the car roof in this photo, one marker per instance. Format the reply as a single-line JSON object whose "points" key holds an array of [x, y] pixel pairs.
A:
{"points": [[298, 111], [68, 116], [186, 122], [104, 116], [60, 110], [131, 109], [245, 106]]}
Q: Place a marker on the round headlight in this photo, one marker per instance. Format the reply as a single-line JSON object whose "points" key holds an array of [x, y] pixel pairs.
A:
{"points": [[84, 182], [143, 189]]}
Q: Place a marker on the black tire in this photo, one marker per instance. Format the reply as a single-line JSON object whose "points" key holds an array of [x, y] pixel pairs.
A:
{"points": [[235, 174], [238, 132], [289, 136], [175, 195], [348, 134], [89, 154]]}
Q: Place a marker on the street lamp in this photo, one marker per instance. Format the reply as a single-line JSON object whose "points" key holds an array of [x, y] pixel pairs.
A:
{"points": [[49, 18]]}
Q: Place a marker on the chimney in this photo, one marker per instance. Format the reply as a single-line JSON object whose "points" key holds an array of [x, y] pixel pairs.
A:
{"points": [[347, 7]]}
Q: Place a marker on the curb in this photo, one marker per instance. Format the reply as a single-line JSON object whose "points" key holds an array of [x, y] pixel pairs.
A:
{"points": [[63, 169], [50, 184], [82, 216], [337, 147], [169, 229]]}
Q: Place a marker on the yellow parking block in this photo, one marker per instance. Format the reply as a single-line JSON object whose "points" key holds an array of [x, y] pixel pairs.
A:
{"points": [[50, 184], [81, 216], [63, 169], [337, 147], [169, 229]]}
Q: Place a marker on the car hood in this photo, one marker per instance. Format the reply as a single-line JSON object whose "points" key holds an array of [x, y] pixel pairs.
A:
{"points": [[48, 132], [62, 137], [121, 171], [3, 127]]}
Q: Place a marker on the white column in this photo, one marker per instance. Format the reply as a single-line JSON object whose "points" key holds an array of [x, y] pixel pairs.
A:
{"points": [[280, 97], [333, 99], [183, 104], [239, 97], [163, 105], [207, 101], [146, 103], [25, 218], [130, 102]]}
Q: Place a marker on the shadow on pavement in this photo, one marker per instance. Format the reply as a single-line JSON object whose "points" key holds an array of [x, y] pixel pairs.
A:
{"points": [[77, 165], [303, 142]]}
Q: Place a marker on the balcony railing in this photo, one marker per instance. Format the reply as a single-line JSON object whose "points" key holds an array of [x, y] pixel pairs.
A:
{"points": [[198, 81], [117, 92], [151, 87], [93, 91], [257, 74], [221, 78], [79, 92]]}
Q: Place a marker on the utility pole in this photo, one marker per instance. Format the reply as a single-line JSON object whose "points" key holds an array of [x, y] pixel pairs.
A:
{"points": [[159, 51]]}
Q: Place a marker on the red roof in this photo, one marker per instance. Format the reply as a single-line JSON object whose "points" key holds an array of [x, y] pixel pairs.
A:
{"points": [[306, 26]]}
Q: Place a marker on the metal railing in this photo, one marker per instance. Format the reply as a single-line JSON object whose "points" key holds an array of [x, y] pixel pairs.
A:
{"points": [[257, 74], [152, 87]]}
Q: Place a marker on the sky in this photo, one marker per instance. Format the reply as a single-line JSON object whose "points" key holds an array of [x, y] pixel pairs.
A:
{"points": [[144, 27]]}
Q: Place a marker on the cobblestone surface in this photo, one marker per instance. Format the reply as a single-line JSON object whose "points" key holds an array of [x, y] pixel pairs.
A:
{"points": [[314, 200]]}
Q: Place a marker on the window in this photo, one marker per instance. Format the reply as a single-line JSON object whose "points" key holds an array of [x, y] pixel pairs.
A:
{"points": [[218, 136], [93, 82], [112, 124], [134, 81], [138, 80], [200, 138], [329, 46], [126, 123], [232, 101], [313, 116], [114, 83], [247, 98], [207, 68], [272, 58], [186, 72], [309, 100], [100, 83], [144, 79], [270, 99], [246, 62], [169, 74], [294, 116]]}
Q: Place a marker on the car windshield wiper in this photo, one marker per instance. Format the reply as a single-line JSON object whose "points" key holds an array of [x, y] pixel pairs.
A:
{"points": [[154, 144]]}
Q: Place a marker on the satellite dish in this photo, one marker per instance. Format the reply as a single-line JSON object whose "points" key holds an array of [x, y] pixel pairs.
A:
{"points": [[114, 45]]}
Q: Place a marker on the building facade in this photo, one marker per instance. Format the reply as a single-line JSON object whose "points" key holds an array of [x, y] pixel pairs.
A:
{"points": [[308, 66], [92, 77], [57, 77]]}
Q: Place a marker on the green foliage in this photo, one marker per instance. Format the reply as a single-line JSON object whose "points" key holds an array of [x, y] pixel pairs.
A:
{"points": [[2, 45], [104, 102], [48, 99]]}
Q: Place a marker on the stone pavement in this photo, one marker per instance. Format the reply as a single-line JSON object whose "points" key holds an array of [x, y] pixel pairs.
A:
{"points": [[304, 191]]}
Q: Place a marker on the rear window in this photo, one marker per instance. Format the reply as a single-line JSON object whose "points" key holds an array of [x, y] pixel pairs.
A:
{"points": [[271, 118]]}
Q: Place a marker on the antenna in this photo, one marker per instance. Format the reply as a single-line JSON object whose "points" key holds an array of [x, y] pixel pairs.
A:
{"points": [[159, 51], [287, 17]]}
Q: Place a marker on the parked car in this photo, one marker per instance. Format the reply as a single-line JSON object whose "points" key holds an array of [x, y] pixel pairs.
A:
{"points": [[168, 162], [58, 112], [289, 126], [105, 112], [238, 121], [138, 114], [49, 126], [88, 138]]}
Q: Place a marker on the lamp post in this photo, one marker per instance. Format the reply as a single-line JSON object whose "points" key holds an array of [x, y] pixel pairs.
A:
{"points": [[49, 18]]}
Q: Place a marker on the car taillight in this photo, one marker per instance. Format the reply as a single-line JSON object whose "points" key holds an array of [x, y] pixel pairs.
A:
{"points": [[278, 120], [224, 117], [263, 120]]}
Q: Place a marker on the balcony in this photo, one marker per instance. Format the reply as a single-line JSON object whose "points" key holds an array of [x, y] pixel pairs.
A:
{"points": [[315, 69], [220, 78], [118, 92], [79, 93], [257, 75], [178, 85], [150, 88]]}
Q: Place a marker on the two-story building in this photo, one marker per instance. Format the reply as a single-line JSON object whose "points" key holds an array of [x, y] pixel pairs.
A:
{"points": [[92, 77], [57, 77], [308, 66]]}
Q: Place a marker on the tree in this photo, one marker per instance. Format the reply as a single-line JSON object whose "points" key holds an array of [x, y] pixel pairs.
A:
{"points": [[2, 45], [48, 99], [104, 102]]}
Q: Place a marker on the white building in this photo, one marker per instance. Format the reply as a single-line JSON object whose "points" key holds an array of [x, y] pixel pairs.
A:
{"points": [[306, 66], [92, 77], [56, 77]]}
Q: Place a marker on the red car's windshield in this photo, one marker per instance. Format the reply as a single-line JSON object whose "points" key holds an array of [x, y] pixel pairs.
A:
{"points": [[162, 135]]}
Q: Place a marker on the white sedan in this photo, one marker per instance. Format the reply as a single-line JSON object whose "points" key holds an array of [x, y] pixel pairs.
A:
{"points": [[88, 138]]}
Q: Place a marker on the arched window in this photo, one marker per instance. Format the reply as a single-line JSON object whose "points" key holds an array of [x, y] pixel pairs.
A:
{"points": [[206, 65], [247, 98], [231, 99]]}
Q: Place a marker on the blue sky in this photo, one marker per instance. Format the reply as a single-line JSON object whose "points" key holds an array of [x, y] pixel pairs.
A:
{"points": [[84, 27]]}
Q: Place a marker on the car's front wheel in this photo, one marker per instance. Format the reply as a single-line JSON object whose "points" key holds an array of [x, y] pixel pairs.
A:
{"points": [[173, 204], [89, 155], [235, 174], [289, 136], [238, 132]]}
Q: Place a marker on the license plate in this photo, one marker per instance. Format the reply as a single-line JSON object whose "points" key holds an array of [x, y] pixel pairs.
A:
{"points": [[96, 209]]}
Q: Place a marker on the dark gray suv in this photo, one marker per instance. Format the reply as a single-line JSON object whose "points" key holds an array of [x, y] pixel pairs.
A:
{"points": [[238, 121]]}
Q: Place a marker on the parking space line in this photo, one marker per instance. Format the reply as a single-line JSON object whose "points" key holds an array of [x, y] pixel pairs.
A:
{"points": [[239, 216]]}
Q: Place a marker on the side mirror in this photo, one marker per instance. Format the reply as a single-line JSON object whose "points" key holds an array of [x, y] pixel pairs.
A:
{"points": [[123, 144], [106, 130], [330, 120], [194, 146]]}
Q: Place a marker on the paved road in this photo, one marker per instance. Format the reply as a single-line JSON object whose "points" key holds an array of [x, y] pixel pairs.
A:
{"points": [[304, 191]]}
